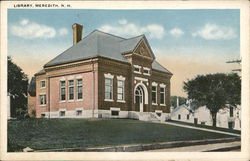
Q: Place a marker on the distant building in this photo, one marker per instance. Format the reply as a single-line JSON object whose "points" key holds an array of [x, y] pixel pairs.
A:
{"points": [[105, 76], [225, 118]]}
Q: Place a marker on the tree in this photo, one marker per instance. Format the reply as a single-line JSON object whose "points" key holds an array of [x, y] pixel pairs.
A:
{"points": [[173, 100], [17, 87], [215, 91]]}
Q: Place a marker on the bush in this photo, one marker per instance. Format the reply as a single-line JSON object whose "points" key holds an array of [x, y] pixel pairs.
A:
{"points": [[22, 114], [13, 146]]}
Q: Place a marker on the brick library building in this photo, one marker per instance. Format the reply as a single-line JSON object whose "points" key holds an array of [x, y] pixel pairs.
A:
{"points": [[102, 76]]}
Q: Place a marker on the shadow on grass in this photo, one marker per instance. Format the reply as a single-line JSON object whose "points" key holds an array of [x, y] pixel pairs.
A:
{"points": [[207, 127]]}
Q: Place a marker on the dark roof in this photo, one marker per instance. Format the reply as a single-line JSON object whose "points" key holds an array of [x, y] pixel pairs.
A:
{"points": [[32, 87], [42, 71], [158, 66], [99, 43]]}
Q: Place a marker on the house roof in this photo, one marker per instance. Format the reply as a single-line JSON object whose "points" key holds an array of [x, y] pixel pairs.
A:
{"points": [[40, 72], [183, 106], [99, 43]]}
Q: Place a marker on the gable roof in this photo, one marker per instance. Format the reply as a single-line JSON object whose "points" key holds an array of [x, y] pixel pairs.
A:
{"points": [[99, 43], [183, 106]]}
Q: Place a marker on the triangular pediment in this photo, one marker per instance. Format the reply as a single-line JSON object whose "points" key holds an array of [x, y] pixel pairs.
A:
{"points": [[143, 48]]}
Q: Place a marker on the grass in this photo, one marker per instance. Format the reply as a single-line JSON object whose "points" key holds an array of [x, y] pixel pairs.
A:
{"points": [[208, 127], [70, 133]]}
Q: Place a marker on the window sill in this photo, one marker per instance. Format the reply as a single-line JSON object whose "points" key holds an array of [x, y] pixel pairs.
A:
{"points": [[155, 104], [121, 101], [146, 74], [62, 101], [79, 100], [43, 105], [109, 100], [71, 101], [162, 104], [137, 72]]}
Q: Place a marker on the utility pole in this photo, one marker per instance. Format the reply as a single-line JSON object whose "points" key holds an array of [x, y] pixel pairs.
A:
{"points": [[235, 61]]}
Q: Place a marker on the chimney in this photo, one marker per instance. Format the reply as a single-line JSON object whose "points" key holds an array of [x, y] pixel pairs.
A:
{"points": [[177, 102], [77, 33]]}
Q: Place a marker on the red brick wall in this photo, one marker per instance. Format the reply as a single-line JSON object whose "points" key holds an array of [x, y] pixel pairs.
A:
{"points": [[39, 90], [31, 105], [87, 101]]}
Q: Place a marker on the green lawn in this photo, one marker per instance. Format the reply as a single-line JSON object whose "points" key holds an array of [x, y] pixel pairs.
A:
{"points": [[207, 127], [70, 133]]}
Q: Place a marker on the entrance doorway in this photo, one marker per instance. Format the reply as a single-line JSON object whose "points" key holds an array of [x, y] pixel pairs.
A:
{"points": [[139, 97]]}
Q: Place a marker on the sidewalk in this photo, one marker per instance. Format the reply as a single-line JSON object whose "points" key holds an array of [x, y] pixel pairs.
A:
{"points": [[199, 128], [235, 146], [152, 146]]}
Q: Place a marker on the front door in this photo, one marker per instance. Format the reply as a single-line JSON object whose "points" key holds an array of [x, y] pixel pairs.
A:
{"points": [[139, 97]]}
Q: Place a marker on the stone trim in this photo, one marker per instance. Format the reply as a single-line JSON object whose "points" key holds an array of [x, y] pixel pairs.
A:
{"points": [[121, 101], [72, 114], [154, 84], [115, 109], [163, 85], [120, 78], [80, 108], [109, 100], [108, 75], [141, 79]]}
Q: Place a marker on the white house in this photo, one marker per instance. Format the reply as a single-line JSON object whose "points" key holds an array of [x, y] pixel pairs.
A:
{"points": [[202, 116]]}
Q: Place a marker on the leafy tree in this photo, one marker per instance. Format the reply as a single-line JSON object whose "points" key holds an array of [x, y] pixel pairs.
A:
{"points": [[17, 87], [215, 91], [173, 100]]}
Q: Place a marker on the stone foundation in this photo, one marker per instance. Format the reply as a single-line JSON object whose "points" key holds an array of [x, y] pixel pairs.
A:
{"points": [[112, 113]]}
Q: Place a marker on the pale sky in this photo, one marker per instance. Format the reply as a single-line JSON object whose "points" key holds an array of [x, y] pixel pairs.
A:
{"points": [[187, 42]]}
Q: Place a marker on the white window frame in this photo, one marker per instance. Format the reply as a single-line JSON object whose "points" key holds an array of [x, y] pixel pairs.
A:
{"points": [[70, 86], [163, 86], [154, 103], [121, 78], [114, 109], [138, 67], [148, 69], [42, 83], [111, 77], [45, 102], [79, 86], [60, 91]]}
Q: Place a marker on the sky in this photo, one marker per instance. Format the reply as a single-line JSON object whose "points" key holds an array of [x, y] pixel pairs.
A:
{"points": [[186, 42]]}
